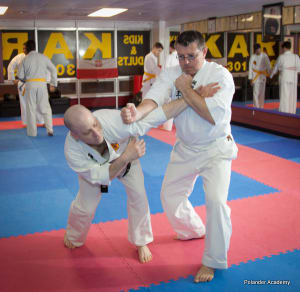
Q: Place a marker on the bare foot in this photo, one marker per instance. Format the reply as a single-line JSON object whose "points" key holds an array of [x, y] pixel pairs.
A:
{"points": [[178, 238], [68, 243], [205, 274], [145, 254]]}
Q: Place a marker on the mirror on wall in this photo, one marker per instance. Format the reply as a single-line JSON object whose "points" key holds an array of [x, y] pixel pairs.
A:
{"points": [[244, 90]]}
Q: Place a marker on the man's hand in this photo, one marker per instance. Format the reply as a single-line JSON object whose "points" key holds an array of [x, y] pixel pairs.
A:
{"points": [[208, 90], [129, 113], [134, 150], [183, 82], [52, 88]]}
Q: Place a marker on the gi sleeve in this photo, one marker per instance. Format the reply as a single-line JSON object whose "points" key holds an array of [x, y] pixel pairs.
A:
{"points": [[53, 73], [220, 104], [78, 159]]}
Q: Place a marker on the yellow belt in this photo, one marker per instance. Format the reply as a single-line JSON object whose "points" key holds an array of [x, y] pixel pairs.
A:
{"points": [[34, 80], [260, 73], [149, 76]]}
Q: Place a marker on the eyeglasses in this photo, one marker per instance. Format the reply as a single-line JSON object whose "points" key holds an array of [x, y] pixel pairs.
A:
{"points": [[190, 58]]}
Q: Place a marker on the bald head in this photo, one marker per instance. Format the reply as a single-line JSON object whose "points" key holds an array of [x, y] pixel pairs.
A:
{"points": [[75, 116], [83, 125]]}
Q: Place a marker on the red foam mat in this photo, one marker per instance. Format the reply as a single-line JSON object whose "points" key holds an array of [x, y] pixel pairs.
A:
{"points": [[11, 125], [262, 226]]}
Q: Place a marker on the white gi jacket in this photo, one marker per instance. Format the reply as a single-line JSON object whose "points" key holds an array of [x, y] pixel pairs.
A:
{"points": [[288, 65], [151, 68], [94, 168], [14, 64], [172, 60], [191, 129]]}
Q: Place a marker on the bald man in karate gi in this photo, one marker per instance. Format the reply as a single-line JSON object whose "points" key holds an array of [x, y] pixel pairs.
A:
{"points": [[204, 147], [98, 149]]}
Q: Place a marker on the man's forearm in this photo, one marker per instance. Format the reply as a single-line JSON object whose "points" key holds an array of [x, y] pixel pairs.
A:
{"points": [[197, 102], [174, 108], [117, 166], [147, 106]]}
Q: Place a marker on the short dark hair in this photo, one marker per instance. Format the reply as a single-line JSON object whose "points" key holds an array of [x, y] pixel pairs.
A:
{"points": [[190, 36], [158, 45], [286, 45], [172, 44], [29, 45], [256, 46]]}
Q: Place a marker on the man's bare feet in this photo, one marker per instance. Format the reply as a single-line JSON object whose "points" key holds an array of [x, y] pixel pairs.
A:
{"points": [[178, 238], [68, 243], [145, 254], [205, 274]]}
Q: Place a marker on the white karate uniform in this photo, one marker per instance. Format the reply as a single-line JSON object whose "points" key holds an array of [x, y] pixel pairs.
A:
{"points": [[13, 65], [201, 149], [288, 65], [36, 66], [259, 68], [171, 61], [93, 171], [150, 67]]}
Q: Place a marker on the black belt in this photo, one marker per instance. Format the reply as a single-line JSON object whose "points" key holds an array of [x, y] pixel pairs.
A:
{"points": [[127, 169], [104, 188]]}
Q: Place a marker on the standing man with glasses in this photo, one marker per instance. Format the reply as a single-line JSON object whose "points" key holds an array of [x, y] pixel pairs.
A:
{"points": [[204, 147]]}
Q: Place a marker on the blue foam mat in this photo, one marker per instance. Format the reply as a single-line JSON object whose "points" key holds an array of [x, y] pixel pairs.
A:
{"points": [[259, 275]]}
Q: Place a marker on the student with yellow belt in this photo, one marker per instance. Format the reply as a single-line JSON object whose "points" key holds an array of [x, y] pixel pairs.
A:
{"points": [[259, 70], [33, 71], [152, 67]]}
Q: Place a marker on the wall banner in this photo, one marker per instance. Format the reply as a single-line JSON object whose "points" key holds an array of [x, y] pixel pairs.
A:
{"points": [[60, 48], [133, 46], [238, 52], [12, 45]]}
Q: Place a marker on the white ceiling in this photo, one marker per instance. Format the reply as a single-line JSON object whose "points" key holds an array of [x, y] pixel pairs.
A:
{"points": [[171, 11]]}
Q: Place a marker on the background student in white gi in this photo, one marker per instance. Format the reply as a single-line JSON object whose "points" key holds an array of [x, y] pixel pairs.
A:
{"points": [[288, 65], [34, 71], [12, 67], [259, 70], [152, 67], [204, 147]]}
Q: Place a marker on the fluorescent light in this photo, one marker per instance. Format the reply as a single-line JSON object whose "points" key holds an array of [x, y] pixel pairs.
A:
{"points": [[3, 9], [272, 16], [107, 12]]}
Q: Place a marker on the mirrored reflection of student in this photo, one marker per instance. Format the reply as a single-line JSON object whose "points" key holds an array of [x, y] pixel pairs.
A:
{"points": [[259, 70]]}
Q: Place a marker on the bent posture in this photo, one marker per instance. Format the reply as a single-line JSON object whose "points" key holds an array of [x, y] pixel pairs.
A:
{"points": [[98, 148]]}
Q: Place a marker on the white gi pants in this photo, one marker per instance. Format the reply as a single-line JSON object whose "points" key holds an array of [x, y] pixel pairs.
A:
{"points": [[84, 206], [259, 88], [36, 95], [39, 117], [213, 163], [288, 97]]}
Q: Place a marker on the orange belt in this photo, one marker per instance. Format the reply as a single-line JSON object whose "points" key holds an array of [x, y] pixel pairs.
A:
{"points": [[149, 76], [260, 73]]}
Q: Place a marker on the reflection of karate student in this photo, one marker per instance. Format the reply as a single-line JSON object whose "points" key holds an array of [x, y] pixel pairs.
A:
{"points": [[259, 69], [14, 65], [171, 61], [34, 70], [272, 23], [204, 147], [98, 149], [152, 67], [288, 65]]}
